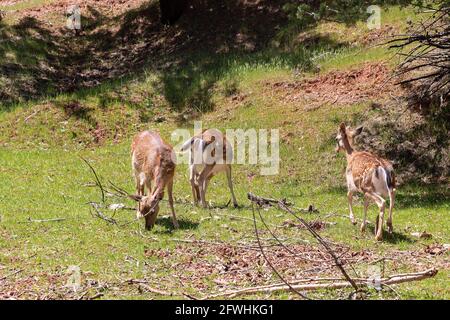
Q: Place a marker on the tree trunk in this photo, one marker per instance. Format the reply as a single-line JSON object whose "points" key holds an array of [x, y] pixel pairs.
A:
{"points": [[171, 10]]}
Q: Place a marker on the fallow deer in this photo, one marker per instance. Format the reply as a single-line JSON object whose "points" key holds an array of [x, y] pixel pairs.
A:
{"points": [[153, 162], [369, 174], [210, 153]]}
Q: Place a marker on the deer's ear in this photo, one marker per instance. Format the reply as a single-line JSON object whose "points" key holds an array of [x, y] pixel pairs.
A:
{"points": [[135, 197], [358, 131], [342, 127]]}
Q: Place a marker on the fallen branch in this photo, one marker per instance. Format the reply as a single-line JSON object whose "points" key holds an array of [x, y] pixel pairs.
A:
{"points": [[218, 243], [155, 290], [270, 264], [11, 274], [283, 205], [99, 184], [43, 220], [281, 243], [100, 214], [143, 285], [395, 279]]}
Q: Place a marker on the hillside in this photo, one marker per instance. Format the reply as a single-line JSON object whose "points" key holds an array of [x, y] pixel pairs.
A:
{"points": [[67, 96]]}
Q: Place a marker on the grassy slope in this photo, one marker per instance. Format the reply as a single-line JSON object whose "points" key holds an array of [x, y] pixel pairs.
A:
{"points": [[43, 177]]}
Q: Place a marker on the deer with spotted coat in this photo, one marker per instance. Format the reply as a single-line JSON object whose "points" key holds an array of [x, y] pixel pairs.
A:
{"points": [[209, 154], [369, 174], [153, 162]]}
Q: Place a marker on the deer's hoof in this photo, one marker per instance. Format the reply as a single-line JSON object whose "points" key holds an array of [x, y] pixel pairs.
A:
{"points": [[235, 205], [390, 228], [363, 228], [379, 237]]}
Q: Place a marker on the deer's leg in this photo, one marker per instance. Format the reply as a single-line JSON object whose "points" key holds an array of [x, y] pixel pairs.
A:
{"points": [[366, 205], [202, 182], [140, 192], [148, 184], [197, 192], [391, 207], [194, 187], [350, 206], [170, 195], [230, 185], [140, 184], [381, 203], [194, 192]]}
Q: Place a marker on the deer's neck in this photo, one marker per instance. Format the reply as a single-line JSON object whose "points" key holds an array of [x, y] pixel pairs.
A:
{"points": [[348, 148]]}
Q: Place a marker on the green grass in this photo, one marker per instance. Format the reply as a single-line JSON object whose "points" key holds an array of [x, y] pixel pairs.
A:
{"points": [[51, 184], [22, 5], [43, 177]]}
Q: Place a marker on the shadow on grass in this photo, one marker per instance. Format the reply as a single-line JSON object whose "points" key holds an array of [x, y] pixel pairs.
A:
{"points": [[185, 224], [393, 238], [422, 200], [189, 57], [23, 47], [409, 196]]}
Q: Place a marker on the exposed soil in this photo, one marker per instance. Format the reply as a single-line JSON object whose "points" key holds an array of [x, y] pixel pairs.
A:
{"points": [[211, 267], [378, 36], [418, 144], [371, 81], [60, 7], [119, 37]]}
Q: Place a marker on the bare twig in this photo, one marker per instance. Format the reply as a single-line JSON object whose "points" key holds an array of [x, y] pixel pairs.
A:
{"points": [[281, 243], [425, 52], [146, 287], [100, 214], [270, 264], [99, 184], [11, 274], [395, 279], [29, 220], [217, 243], [282, 204]]}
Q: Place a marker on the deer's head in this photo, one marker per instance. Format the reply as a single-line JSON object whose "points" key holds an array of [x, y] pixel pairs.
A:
{"points": [[148, 207], [345, 136]]}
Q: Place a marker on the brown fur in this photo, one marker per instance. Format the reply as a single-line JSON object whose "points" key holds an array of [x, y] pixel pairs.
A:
{"points": [[209, 136], [213, 140], [362, 164], [153, 163], [363, 169]]}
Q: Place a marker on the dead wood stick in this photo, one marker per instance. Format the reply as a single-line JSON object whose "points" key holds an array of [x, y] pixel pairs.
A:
{"points": [[144, 285], [324, 243], [281, 243], [11, 274], [31, 115], [96, 296], [100, 214], [217, 243], [155, 290], [99, 184], [282, 204], [270, 263], [43, 220], [395, 279]]}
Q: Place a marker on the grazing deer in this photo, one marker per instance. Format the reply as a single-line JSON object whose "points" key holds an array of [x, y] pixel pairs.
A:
{"points": [[153, 162], [210, 153], [369, 174]]}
